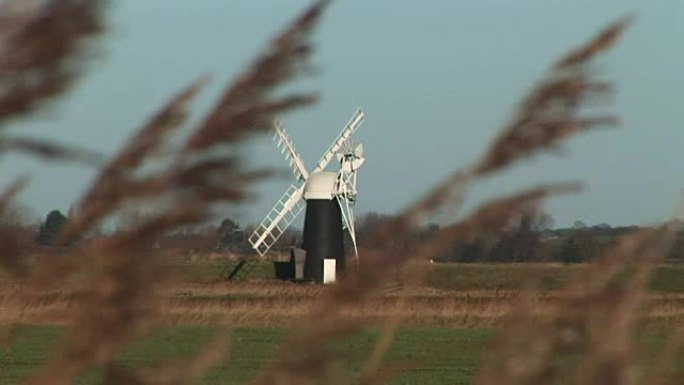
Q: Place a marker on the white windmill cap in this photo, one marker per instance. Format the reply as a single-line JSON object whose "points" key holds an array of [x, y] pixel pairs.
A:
{"points": [[320, 185]]}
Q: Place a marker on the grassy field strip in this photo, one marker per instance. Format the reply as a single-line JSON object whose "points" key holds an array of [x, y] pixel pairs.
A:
{"points": [[438, 356], [463, 276], [441, 356]]}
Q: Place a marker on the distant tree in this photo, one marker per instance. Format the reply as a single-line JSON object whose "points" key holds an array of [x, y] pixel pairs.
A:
{"points": [[571, 251], [522, 243], [291, 237], [367, 223], [50, 229], [473, 250], [580, 245], [579, 225], [677, 250], [188, 240], [427, 231], [230, 236]]}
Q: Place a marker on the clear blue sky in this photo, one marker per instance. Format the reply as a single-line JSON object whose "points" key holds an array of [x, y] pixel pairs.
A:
{"points": [[437, 78]]}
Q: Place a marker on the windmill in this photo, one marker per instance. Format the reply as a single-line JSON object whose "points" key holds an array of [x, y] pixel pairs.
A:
{"points": [[329, 197]]}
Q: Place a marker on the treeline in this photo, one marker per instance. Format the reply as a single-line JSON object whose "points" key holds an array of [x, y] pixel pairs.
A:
{"points": [[532, 239], [227, 236]]}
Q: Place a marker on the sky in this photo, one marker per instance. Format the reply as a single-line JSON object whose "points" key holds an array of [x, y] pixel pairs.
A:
{"points": [[436, 79]]}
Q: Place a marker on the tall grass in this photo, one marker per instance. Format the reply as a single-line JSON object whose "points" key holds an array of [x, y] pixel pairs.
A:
{"points": [[589, 335], [277, 304]]}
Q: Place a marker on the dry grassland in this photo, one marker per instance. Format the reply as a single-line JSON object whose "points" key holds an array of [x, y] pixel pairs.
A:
{"points": [[270, 303]]}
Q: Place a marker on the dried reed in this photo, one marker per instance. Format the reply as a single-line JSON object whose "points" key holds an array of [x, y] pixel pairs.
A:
{"points": [[120, 295], [38, 67], [118, 298]]}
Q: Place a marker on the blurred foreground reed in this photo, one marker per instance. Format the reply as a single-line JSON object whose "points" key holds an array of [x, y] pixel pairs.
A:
{"points": [[589, 334]]}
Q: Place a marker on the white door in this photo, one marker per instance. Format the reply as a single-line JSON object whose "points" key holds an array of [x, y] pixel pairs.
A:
{"points": [[329, 266]]}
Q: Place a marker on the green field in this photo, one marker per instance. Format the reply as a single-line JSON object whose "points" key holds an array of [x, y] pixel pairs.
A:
{"points": [[441, 356], [666, 278], [435, 356]]}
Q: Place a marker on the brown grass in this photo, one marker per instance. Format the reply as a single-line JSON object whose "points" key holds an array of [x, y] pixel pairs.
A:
{"points": [[111, 289], [277, 304]]}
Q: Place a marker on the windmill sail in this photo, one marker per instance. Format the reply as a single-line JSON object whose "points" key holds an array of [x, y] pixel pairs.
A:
{"points": [[349, 129], [291, 155], [278, 220], [347, 209], [351, 158]]}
